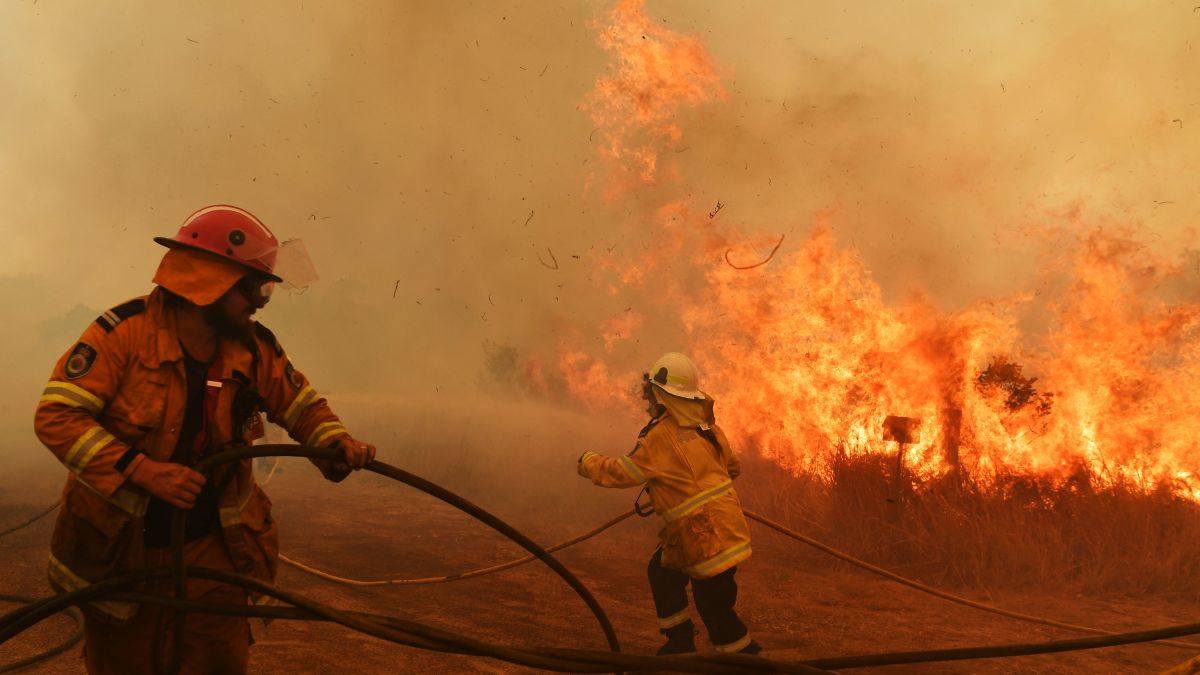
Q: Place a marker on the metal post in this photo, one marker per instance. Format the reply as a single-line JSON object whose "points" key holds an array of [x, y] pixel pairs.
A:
{"points": [[903, 430]]}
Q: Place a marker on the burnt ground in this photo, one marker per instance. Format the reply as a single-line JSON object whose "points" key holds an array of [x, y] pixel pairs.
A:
{"points": [[796, 605]]}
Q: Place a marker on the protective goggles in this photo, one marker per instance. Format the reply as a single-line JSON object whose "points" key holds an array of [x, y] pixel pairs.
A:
{"points": [[256, 289]]}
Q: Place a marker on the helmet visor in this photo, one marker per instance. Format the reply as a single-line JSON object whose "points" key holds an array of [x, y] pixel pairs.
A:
{"points": [[294, 266]]}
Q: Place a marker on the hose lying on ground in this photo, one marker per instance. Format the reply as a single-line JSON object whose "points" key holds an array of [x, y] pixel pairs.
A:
{"points": [[935, 592], [393, 629], [31, 521], [398, 630], [841, 555], [549, 658], [601, 528], [417, 635], [331, 454], [63, 646], [471, 574]]}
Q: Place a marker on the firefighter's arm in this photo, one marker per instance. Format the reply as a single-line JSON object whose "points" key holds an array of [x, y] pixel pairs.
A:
{"points": [[81, 385], [292, 403], [615, 472]]}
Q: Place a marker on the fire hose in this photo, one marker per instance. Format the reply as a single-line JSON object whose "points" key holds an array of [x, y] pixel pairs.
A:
{"points": [[388, 628], [462, 575], [935, 592], [825, 548], [31, 521], [418, 635], [75, 636], [208, 464], [549, 658], [63, 646]]}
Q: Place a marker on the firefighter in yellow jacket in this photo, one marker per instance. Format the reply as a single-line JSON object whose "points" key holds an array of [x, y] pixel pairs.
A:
{"points": [[152, 386], [687, 466]]}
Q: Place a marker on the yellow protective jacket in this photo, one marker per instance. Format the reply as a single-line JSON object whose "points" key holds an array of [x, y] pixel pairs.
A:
{"points": [[121, 389], [689, 472]]}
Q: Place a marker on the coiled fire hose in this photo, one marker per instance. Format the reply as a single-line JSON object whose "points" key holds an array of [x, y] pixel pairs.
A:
{"points": [[421, 636]]}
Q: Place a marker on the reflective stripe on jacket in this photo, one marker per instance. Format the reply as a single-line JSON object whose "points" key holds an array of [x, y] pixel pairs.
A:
{"points": [[688, 472], [124, 386]]}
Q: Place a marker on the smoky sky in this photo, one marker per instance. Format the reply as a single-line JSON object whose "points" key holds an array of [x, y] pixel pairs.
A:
{"points": [[435, 159]]}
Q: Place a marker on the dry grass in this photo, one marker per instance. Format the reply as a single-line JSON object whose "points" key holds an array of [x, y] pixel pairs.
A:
{"points": [[1085, 534]]}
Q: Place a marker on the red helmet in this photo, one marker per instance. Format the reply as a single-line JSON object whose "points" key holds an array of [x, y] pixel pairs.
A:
{"points": [[231, 233]]}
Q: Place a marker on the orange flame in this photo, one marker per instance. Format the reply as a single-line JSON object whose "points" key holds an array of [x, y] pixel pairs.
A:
{"points": [[656, 73], [807, 360]]}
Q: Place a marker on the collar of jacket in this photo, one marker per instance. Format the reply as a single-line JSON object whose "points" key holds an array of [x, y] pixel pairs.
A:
{"points": [[162, 339], [652, 423], [164, 345], [689, 413]]}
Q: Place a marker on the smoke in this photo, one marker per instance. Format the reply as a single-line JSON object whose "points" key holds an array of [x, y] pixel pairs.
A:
{"points": [[938, 130], [438, 164]]}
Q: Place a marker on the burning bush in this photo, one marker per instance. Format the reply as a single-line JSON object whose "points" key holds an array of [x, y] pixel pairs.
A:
{"points": [[1003, 378]]}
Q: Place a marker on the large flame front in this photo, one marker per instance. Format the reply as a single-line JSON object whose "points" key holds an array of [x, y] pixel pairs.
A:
{"points": [[808, 360]]}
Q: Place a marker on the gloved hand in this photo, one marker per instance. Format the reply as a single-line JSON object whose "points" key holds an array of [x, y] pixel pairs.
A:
{"points": [[173, 483], [579, 464], [357, 453]]}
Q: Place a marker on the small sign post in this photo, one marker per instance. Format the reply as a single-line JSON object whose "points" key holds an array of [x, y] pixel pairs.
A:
{"points": [[903, 430]]}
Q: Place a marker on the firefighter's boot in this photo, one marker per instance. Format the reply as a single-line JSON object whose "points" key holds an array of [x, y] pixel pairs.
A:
{"points": [[752, 648], [681, 639]]}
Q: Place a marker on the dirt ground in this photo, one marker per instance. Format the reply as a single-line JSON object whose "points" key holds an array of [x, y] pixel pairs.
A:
{"points": [[795, 605]]}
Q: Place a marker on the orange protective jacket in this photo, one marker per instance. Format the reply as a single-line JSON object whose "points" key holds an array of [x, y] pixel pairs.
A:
{"points": [[689, 472], [123, 388]]}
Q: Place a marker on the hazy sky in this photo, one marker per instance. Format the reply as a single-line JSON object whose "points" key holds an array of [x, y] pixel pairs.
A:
{"points": [[428, 152]]}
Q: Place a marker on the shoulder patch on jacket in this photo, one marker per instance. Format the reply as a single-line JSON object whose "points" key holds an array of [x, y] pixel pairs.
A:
{"points": [[80, 361], [267, 336], [109, 320], [293, 376]]}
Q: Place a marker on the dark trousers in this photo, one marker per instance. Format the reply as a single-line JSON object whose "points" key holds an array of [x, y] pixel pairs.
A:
{"points": [[715, 598]]}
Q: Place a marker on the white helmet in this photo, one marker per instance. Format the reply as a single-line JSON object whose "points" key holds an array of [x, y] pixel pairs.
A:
{"points": [[675, 374]]}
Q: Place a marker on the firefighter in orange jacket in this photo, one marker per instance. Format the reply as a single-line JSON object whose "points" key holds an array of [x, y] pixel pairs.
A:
{"points": [[687, 466], [152, 386]]}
